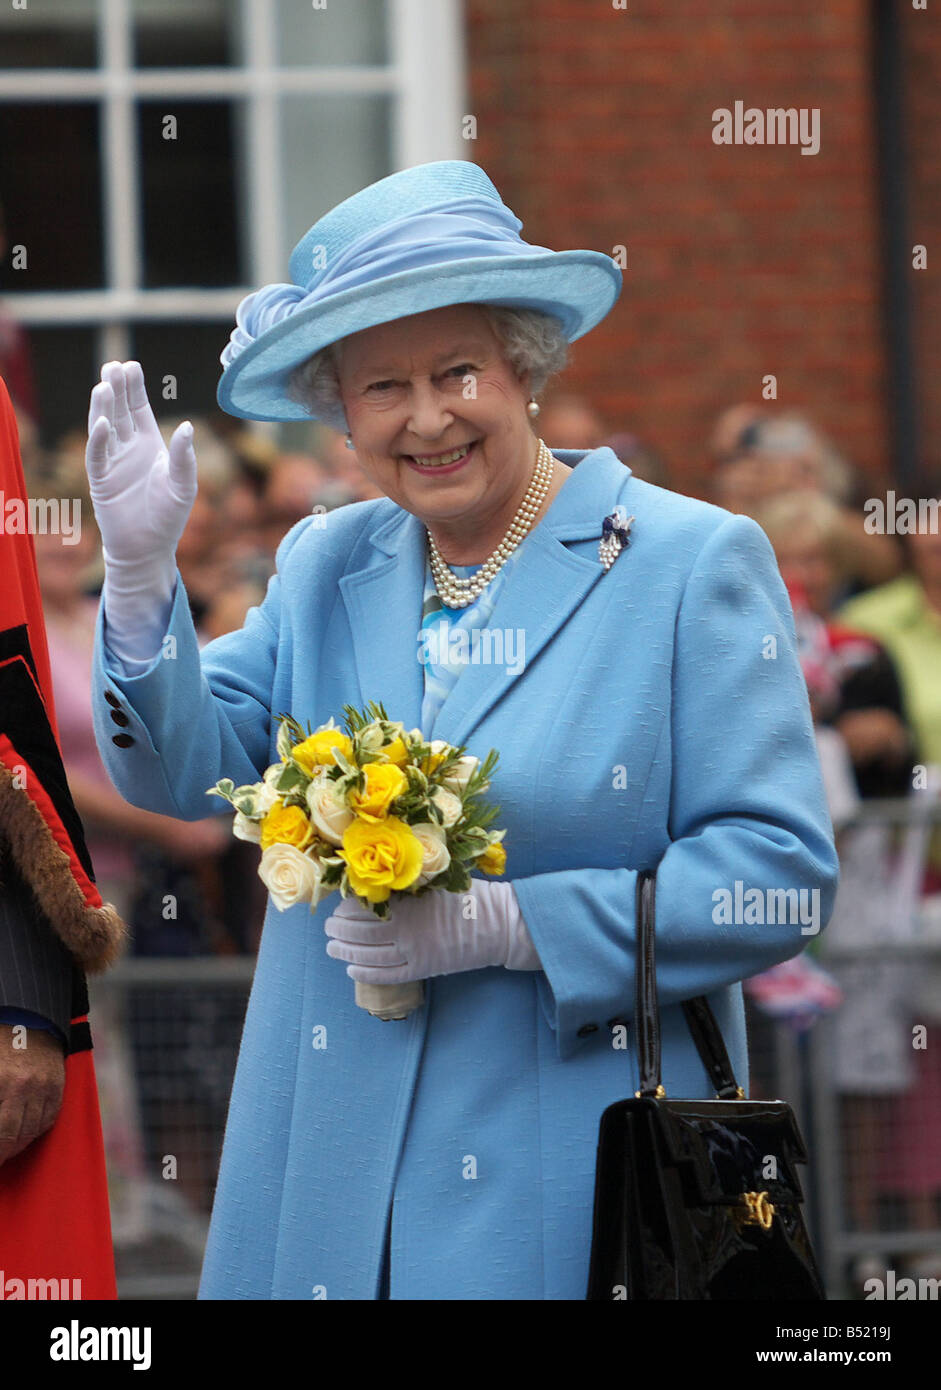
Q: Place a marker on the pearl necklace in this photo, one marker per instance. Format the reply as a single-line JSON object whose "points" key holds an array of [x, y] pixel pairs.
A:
{"points": [[457, 591]]}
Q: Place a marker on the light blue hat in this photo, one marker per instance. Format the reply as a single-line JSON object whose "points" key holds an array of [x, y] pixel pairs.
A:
{"points": [[433, 235]]}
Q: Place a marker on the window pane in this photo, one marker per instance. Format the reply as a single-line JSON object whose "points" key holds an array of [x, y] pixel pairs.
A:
{"points": [[50, 190], [54, 34], [340, 144], [189, 352], [65, 368], [340, 35], [190, 229], [186, 33]]}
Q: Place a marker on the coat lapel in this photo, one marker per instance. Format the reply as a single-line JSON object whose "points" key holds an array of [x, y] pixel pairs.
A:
{"points": [[545, 586], [383, 604]]}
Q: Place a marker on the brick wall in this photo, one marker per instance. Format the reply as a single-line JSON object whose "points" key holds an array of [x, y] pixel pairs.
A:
{"points": [[596, 126], [922, 47]]}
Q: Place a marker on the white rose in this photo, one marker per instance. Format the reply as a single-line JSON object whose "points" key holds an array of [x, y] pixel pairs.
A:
{"points": [[244, 828], [448, 804], [435, 853], [267, 791], [290, 876], [329, 814], [459, 774]]}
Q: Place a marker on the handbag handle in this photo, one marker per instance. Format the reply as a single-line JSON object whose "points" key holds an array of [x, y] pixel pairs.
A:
{"points": [[706, 1033]]}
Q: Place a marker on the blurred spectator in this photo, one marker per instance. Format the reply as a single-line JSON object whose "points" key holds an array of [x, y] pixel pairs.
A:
{"points": [[227, 610], [733, 431], [905, 616], [346, 481], [643, 462], [568, 421], [863, 717], [797, 455], [294, 488], [784, 453], [116, 833], [241, 506]]}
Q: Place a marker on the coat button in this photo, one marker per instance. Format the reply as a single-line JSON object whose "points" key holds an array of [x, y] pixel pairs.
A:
{"points": [[112, 699], [119, 717], [585, 1029], [122, 740]]}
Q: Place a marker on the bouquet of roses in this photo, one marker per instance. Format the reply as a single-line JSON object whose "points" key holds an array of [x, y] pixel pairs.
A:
{"points": [[371, 810]]}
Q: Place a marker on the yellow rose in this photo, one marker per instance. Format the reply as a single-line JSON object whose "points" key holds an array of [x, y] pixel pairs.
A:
{"points": [[286, 825], [384, 782], [317, 750], [439, 751], [396, 752], [381, 856], [493, 860]]}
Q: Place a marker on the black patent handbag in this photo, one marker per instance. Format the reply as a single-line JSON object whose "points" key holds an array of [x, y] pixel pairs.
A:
{"points": [[696, 1199]]}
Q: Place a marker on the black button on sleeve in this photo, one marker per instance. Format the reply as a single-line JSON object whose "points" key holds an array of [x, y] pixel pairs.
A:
{"points": [[112, 699], [119, 717], [122, 740], [585, 1029]]}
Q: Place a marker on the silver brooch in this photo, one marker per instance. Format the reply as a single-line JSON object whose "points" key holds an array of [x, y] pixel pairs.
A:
{"points": [[614, 536]]}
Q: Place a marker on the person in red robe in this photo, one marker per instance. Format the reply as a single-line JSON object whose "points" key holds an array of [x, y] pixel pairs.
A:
{"points": [[55, 1225]]}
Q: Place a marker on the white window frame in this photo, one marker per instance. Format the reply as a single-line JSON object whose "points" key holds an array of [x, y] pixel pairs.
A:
{"points": [[425, 78]]}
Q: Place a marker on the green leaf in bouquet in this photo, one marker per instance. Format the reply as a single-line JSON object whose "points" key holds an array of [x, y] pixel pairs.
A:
{"points": [[479, 780], [476, 838], [247, 800], [223, 789], [446, 763], [293, 778], [456, 879], [333, 872], [288, 730], [344, 763], [417, 780], [367, 741], [358, 719], [352, 719]]}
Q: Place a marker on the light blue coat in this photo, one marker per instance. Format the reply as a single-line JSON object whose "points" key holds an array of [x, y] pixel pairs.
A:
{"points": [[660, 718]]}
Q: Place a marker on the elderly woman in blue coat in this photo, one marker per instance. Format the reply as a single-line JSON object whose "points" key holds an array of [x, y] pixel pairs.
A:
{"points": [[638, 679]]}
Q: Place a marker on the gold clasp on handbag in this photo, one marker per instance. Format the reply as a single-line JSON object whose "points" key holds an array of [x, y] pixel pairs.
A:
{"points": [[758, 1211]]}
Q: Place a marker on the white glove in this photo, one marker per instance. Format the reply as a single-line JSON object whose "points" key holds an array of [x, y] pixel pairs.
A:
{"points": [[142, 495], [430, 935]]}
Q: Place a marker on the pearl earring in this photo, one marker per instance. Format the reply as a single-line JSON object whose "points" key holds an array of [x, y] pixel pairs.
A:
{"points": [[532, 410], [349, 441]]}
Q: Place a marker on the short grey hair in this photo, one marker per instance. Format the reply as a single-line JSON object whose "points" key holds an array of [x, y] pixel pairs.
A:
{"points": [[531, 340]]}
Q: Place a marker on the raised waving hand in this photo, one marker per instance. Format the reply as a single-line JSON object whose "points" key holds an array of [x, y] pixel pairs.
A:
{"points": [[142, 491]]}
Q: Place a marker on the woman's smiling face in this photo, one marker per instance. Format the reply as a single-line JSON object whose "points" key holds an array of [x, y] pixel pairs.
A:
{"points": [[428, 385]]}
